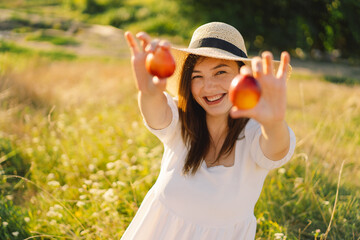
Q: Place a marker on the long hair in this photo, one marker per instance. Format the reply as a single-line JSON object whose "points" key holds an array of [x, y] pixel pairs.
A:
{"points": [[194, 129]]}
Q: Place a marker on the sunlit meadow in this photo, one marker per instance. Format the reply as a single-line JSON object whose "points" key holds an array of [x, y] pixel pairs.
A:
{"points": [[76, 159], [91, 161]]}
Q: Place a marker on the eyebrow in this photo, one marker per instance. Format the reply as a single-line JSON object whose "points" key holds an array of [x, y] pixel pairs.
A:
{"points": [[216, 67], [220, 65]]}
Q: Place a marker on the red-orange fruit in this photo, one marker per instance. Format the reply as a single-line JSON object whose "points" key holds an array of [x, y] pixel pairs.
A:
{"points": [[160, 63], [244, 92]]}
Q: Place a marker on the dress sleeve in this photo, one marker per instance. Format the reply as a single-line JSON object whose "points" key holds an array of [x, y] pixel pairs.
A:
{"points": [[252, 136], [167, 133]]}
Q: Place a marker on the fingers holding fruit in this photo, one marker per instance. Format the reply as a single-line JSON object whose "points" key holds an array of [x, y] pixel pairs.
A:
{"points": [[244, 91], [160, 63], [257, 93], [144, 38], [152, 63]]}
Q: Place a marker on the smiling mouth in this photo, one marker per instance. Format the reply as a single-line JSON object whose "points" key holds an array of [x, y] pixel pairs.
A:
{"points": [[214, 99]]}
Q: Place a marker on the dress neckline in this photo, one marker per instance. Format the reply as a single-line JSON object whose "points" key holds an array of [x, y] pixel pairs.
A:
{"points": [[204, 165]]}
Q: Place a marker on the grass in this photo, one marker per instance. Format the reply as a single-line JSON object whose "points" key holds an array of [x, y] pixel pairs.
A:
{"points": [[13, 48], [342, 80], [92, 160], [56, 40]]}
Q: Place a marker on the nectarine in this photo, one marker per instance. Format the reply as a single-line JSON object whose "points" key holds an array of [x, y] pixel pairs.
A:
{"points": [[244, 92], [160, 63]]}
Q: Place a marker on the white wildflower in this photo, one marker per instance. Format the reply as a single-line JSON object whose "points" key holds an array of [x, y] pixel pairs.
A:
{"points": [[92, 167], [326, 202], [97, 192], [58, 207], [51, 213], [53, 222], [54, 183], [5, 224], [110, 196], [133, 168], [84, 232], [120, 183], [26, 219], [80, 203], [82, 197], [88, 182], [110, 165], [134, 125], [51, 176], [65, 187], [111, 173], [96, 185], [281, 170], [279, 235], [15, 234], [10, 197], [94, 177]]}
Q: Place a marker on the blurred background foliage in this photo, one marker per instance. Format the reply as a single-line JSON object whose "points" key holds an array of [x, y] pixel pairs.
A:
{"points": [[318, 29], [303, 27]]}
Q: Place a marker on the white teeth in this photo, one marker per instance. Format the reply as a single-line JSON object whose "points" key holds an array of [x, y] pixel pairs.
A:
{"points": [[214, 98]]}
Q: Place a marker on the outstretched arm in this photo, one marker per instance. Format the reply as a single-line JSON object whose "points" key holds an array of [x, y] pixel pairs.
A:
{"points": [[152, 101]]}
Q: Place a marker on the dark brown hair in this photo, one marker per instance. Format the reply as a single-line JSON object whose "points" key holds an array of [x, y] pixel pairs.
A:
{"points": [[194, 129]]}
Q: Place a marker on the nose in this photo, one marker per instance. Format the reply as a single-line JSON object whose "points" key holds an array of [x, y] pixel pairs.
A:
{"points": [[209, 83]]}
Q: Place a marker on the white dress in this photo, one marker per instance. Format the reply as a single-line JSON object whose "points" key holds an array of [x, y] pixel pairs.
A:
{"points": [[217, 203]]}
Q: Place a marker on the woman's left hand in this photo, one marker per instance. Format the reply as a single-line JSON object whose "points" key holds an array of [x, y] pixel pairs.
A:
{"points": [[271, 107]]}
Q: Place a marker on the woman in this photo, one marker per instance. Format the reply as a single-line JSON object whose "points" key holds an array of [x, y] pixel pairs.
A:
{"points": [[215, 159]]}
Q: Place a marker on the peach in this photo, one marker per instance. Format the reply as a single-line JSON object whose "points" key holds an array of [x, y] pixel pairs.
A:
{"points": [[160, 63], [244, 92]]}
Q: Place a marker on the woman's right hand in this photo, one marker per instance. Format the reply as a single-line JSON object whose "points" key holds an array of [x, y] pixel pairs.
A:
{"points": [[145, 82]]}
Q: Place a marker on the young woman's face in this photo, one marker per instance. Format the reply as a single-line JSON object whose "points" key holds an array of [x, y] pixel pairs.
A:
{"points": [[210, 82]]}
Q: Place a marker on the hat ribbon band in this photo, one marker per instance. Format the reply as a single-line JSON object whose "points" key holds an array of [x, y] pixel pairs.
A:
{"points": [[220, 44]]}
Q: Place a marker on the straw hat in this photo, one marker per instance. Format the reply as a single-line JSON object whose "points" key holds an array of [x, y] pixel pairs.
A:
{"points": [[216, 40]]}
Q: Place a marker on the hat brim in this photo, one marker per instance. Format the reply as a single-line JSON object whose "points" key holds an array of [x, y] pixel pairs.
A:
{"points": [[180, 55]]}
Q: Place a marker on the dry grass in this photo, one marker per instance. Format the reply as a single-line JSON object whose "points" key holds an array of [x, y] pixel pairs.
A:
{"points": [[78, 124]]}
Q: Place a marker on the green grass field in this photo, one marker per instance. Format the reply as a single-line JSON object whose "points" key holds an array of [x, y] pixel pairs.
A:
{"points": [[76, 159]]}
